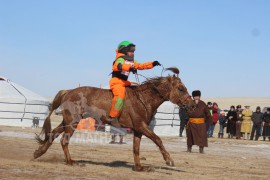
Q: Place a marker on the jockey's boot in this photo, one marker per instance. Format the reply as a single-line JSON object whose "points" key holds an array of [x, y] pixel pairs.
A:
{"points": [[221, 135], [201, 149], [189, 148], [111, 121]]}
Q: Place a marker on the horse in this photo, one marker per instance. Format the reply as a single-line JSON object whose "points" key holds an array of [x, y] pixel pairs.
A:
{"points": [[141, 103]]}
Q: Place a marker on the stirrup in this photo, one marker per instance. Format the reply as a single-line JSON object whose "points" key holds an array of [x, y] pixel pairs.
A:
{"points": [[111, 121]]}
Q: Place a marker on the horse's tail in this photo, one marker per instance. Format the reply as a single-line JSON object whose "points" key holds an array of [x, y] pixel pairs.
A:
{"points": [[46, 129]]}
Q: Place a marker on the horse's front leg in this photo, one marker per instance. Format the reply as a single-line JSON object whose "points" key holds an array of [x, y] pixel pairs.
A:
{"points": [[136, 150], [145, 130]]}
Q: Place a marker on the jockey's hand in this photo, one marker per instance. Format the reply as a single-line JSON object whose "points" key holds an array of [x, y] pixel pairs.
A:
{"points": [[133, 70], [156, 63]]}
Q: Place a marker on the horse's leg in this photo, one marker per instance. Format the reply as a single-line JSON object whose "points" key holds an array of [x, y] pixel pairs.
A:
{"points": [[145, 130], [65, 141], [136, 150], [53, 135]]}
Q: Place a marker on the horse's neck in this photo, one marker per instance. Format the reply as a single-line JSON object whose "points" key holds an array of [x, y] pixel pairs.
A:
{"points": [[151, 99]]}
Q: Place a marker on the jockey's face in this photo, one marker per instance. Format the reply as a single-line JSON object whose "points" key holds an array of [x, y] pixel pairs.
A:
{"points": [[130, 53]]}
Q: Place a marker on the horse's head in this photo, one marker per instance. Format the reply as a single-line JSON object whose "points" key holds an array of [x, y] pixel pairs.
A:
{"points": [[173, 89]]}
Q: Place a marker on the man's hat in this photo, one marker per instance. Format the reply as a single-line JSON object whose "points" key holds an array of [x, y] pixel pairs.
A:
{"points": [[196, 93], [239, 106]]}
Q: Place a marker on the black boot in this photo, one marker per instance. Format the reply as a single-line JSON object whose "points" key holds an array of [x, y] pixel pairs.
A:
{"points": [[251, 137], [201, 150], [256, 138], [189, 148], [181, 131], [221, 135], [111, 121]]}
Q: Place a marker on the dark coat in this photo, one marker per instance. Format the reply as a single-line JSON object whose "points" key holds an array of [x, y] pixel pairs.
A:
{"points": [[222, 120], [239, 116], [231, 127], [266, 118], [183, 114], [257, 118], [196, 133], [266, 126]]}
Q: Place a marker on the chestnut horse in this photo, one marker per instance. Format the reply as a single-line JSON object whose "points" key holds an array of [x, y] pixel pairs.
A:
{"points": [[141, 103]]}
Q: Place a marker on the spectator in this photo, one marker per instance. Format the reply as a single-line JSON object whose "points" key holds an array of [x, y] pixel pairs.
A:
{"points": [[196, 127], [183, 120], [246, 123], [209, 106], [215, 115], [232, 118], [257, 119], [222, 124], [238, 133], [118, 131], [266, 125]]}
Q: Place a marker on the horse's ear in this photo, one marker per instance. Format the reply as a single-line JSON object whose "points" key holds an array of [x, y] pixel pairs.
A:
{"points": [[170, 78]]}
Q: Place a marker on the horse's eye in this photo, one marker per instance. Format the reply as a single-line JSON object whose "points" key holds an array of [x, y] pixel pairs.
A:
{"points": [[181, 89]]}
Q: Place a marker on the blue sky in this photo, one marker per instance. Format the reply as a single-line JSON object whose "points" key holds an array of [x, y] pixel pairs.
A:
{"points": [[222, 47]]}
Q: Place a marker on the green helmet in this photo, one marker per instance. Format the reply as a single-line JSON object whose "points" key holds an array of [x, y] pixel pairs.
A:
{"points": [[124, 44]]}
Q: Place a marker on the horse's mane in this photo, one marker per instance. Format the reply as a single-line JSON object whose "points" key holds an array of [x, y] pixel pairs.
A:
{"points": [[155, 81]]}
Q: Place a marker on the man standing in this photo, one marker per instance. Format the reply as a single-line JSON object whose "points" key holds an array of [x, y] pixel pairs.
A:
{"points": [[209, 106], [232, 118], [238, 133], [246, 123], [183, 120], [266, 125], [257, 119], [198, 120], [215, 115]]}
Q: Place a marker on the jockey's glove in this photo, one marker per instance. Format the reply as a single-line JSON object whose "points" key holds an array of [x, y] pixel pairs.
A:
{"points": [[133, 70], [156, 63]]}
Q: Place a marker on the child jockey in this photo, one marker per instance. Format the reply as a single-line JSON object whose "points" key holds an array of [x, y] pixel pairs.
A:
{"points": [[123, 64]]}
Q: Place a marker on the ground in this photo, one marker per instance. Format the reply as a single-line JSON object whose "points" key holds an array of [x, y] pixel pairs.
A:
{"points": [[97, 159]]}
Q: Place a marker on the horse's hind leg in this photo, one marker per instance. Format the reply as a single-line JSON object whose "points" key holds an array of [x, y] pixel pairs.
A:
{"points": [[145, 130], [136, 150], [53, 135], [65, 141]]}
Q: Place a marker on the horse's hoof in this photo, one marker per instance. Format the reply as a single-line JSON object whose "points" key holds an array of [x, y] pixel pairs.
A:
{"points": [[144, 169], [37, 154], [71, 163], [138, 168], [170, 163], [143, 158]]}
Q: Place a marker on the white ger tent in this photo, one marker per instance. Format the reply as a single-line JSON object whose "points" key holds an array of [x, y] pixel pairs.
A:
{"points": [[18, 105], [166, 121]]}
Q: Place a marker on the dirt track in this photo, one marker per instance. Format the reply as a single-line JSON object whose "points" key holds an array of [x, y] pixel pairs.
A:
{"points": [[223, 159]]}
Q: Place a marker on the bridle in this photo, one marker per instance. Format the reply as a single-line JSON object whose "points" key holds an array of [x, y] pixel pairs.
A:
{"points": [[184, 102]]}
